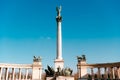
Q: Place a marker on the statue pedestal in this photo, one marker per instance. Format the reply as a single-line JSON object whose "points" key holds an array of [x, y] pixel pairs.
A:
{"points": [[65, 78], [61, 78], [37, 71], [49, 78]]}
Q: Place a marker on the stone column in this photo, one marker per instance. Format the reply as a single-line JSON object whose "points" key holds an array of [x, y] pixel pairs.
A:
{"points": [[10, 77], [19, 73], [92, 73], [79, 72], [6, 73], [59, 62], [13, 73], [23, 77], [26, 75], [105, 72], [113, 73], [99, 72], [40, 76], [118, 72], [0, 73]]}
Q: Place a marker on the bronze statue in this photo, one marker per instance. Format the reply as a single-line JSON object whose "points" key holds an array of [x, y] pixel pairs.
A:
{"points": [[58, 9], [35, 59], [50, 72], [83, 58]]}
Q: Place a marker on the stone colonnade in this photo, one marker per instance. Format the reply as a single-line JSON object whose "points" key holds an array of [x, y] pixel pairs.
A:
{"points": [[8, 73], [104, 72], [21, 71], [100, 71]]}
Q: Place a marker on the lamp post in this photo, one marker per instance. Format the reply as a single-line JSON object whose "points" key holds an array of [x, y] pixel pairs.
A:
{"points": [[79, 66]]}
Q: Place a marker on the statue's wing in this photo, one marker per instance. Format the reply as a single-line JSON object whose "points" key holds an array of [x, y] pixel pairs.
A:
{"points": [[57, 9], [60, 8], [34, 56]]}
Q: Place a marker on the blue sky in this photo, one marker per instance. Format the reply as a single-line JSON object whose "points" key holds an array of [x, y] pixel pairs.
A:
{"points": [[90, 27]]}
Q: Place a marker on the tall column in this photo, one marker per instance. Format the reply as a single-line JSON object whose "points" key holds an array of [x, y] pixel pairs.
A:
{"points": [[59, 60], [59, 35], [13, 73], [6, 73], [26, 75], [19, 73]]}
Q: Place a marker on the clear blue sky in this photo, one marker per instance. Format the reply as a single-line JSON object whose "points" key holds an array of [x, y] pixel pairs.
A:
{"points": [[90, 27]]}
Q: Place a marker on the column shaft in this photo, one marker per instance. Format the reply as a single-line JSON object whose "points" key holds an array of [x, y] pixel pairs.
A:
{"points": [[40, 75], [26, 74], [0, 73], [99, 73], [92, 73], [59, 41], [79, 73], [105, 72], [6, 73], [118, 72], [113, 73], [13, 73], [19, 73]]}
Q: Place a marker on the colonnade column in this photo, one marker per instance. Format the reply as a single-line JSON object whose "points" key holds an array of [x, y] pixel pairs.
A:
{"points": [[118, 72], [0, 73], [92, 73], [113, 73], [6, 73], [98, 72], [19, 73], [13, 73], [105, 72], [26, 75]]}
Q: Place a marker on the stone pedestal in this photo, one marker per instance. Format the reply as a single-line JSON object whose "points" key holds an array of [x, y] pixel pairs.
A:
{"points": [[59, 63], [61, 78], [37, 71], [64, 78], [49, 78]]}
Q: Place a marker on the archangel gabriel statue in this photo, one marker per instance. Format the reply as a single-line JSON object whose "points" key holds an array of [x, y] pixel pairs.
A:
{"points": [[58, 9]]}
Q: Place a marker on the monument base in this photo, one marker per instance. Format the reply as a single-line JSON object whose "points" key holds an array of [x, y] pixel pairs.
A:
{"points": [[49, 78], [61, 78], [65, 78]]}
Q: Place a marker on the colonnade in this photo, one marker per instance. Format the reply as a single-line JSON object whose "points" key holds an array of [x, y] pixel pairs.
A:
{"points": [[21, 71], [98, 71], [105, 73], [7, 73]]}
